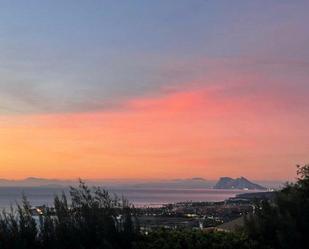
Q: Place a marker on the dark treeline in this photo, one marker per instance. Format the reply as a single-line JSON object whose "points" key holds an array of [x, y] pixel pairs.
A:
{"points": [[94, 219]]}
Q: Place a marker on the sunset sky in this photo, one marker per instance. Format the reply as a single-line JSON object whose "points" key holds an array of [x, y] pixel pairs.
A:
{"points": [[154, 89]]}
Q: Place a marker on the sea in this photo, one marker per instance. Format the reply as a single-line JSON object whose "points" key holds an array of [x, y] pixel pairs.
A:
{"points": [[139, 197]]}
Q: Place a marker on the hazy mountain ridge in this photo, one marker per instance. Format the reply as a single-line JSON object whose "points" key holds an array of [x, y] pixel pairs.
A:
{"points": [[174, 183], [190, 183], [44, 182], [34, 182], [196, 182]]}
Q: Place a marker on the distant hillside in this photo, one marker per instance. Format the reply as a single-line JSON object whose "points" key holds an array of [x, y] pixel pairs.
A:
{"points": [[43, 182], [35, 182], [192, 183], [256, 196], [238, 183]]}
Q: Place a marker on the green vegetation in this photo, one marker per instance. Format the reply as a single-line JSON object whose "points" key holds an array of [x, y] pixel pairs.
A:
{"points": [[96, 220]]}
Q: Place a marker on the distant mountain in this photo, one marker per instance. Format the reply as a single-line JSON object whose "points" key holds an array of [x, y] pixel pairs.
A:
{"points": [[43, 182], [191, 183], [238, 183], [34, 182]]}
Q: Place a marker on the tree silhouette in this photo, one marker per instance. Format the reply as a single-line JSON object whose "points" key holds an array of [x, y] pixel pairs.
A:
{"points": [[94, 219], [283, 223]]}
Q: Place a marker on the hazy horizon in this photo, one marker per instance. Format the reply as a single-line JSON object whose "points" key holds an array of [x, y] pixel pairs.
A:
{"points": [[140, 179], [184, 183]]}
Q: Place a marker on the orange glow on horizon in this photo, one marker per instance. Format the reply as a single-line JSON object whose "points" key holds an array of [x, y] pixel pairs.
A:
{"points": [[195, 132]]}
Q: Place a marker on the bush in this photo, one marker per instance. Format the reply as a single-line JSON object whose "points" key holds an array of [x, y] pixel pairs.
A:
{"points": [[185, 239], [283, 223], [94, 219]]}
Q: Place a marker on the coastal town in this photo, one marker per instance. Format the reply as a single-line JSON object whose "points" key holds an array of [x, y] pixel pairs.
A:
{"points": [[223, 215], [201, 215]]}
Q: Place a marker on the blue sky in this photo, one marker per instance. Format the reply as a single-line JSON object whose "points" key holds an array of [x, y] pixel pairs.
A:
{"points": [[62, 56]]}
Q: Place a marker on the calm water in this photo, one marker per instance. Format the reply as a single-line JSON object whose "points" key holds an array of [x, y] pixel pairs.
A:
{"points": [[137, 196]]}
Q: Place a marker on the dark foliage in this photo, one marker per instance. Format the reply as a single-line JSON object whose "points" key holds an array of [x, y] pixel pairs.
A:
{"points": [[184, 239], [94, 220], [283, 223]]}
